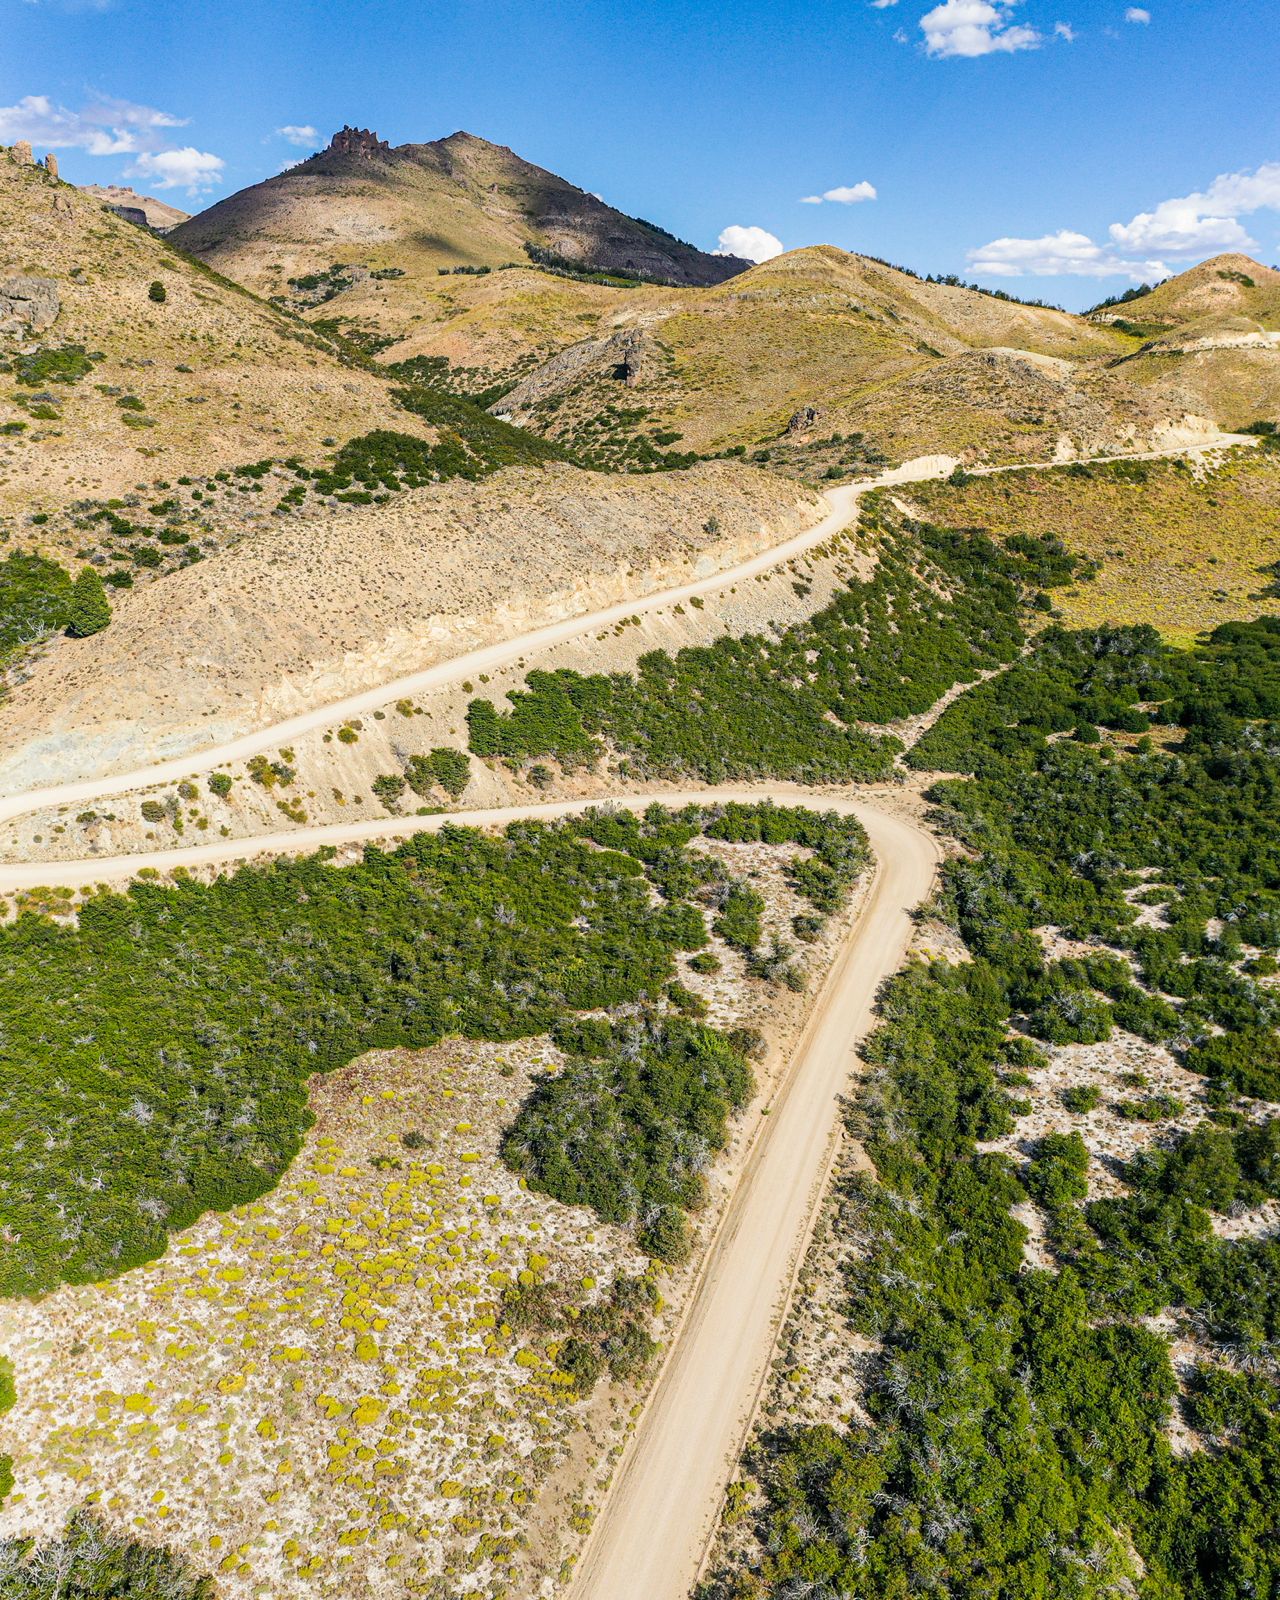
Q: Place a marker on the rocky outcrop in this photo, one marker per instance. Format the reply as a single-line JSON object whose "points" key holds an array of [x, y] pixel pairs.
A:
{"points": [[21, 153], [804, 419], [28, 305], [623, 356], [350, 141], [134, 214], [633, 345], [158, 215], [51, 164]]}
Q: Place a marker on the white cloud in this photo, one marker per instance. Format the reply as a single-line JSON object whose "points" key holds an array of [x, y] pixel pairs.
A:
{"points": [[188, 168], [107, 127], [1064, 30], [1137, 14], [299, 133], [1178, 230], [975, 28], [1204, 222], [1061, 254], [882, 5], [847, 194], [111, 127], [753, 244]]}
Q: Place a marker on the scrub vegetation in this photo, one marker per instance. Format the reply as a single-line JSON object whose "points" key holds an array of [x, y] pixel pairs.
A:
{"points": [[158, 1049], [942, 606], [1011, 1433]]}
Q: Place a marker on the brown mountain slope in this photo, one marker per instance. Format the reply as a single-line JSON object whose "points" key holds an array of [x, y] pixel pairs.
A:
{"points": [[121, 387], [804, 351], [1224, 288], [304, 613], [361, 214]]}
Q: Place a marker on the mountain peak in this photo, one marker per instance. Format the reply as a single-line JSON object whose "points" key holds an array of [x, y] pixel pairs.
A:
{"points": [[349, 141], [460, 203]]}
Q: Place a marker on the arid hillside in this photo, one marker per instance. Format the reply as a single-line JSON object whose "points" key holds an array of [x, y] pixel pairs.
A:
{"points": [[410, 215], [1215, 332], [830, 362], [313, 609], [125, 360], [159, 214], [1227, 288]]}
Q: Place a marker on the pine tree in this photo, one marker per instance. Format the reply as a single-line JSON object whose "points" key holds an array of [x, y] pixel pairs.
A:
{"points": [[89, 611]]}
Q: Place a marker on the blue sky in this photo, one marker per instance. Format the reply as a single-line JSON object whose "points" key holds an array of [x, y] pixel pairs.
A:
{"points": [[1057, 148]]}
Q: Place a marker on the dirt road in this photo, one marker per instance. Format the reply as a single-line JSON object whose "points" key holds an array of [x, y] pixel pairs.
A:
{"points": [[661, 1512], [658, 1517], [843, 502], [474, 663]]}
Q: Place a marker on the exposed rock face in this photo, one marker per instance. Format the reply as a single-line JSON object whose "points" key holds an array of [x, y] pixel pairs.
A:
{"points": [[156, 214], [358, 142], [51, 164], [28, 305], [621, 355], [21, 153], [631, 367], [804, 419], [134, 214]]}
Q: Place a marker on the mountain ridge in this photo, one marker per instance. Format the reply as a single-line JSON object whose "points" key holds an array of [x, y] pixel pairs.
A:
{"points": [[461, 202]]}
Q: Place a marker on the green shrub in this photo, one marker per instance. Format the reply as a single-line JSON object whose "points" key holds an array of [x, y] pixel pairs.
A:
{"points": [[389, 788], [449, 769], [35, 598], [1056, 1174], [88, 610]]}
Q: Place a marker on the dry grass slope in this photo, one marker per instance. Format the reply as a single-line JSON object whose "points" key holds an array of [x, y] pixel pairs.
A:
{"points": [[207, 378], [828, 360], [309, 611], [1182, 550]]}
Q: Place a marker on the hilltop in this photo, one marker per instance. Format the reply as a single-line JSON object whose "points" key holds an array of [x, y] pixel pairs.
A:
{"points": [[502, 281], [1215, 330], [361, 212], [158, 214], [833, 362], [135, 361]]}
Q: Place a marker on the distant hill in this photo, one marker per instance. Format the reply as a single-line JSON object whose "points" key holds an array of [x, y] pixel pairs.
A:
{"points": [[831, 362], [363, 213], [1214, 331], [159, 214], [1226, 290]]}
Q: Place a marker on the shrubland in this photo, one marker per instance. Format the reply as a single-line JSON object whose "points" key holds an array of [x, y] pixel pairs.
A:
{"points": [[157, 1049], [1016, 1436], [942, 606]]}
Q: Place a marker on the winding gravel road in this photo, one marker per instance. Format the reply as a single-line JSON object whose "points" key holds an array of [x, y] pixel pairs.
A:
{"points": [[653, 1531], [487, 659]]}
